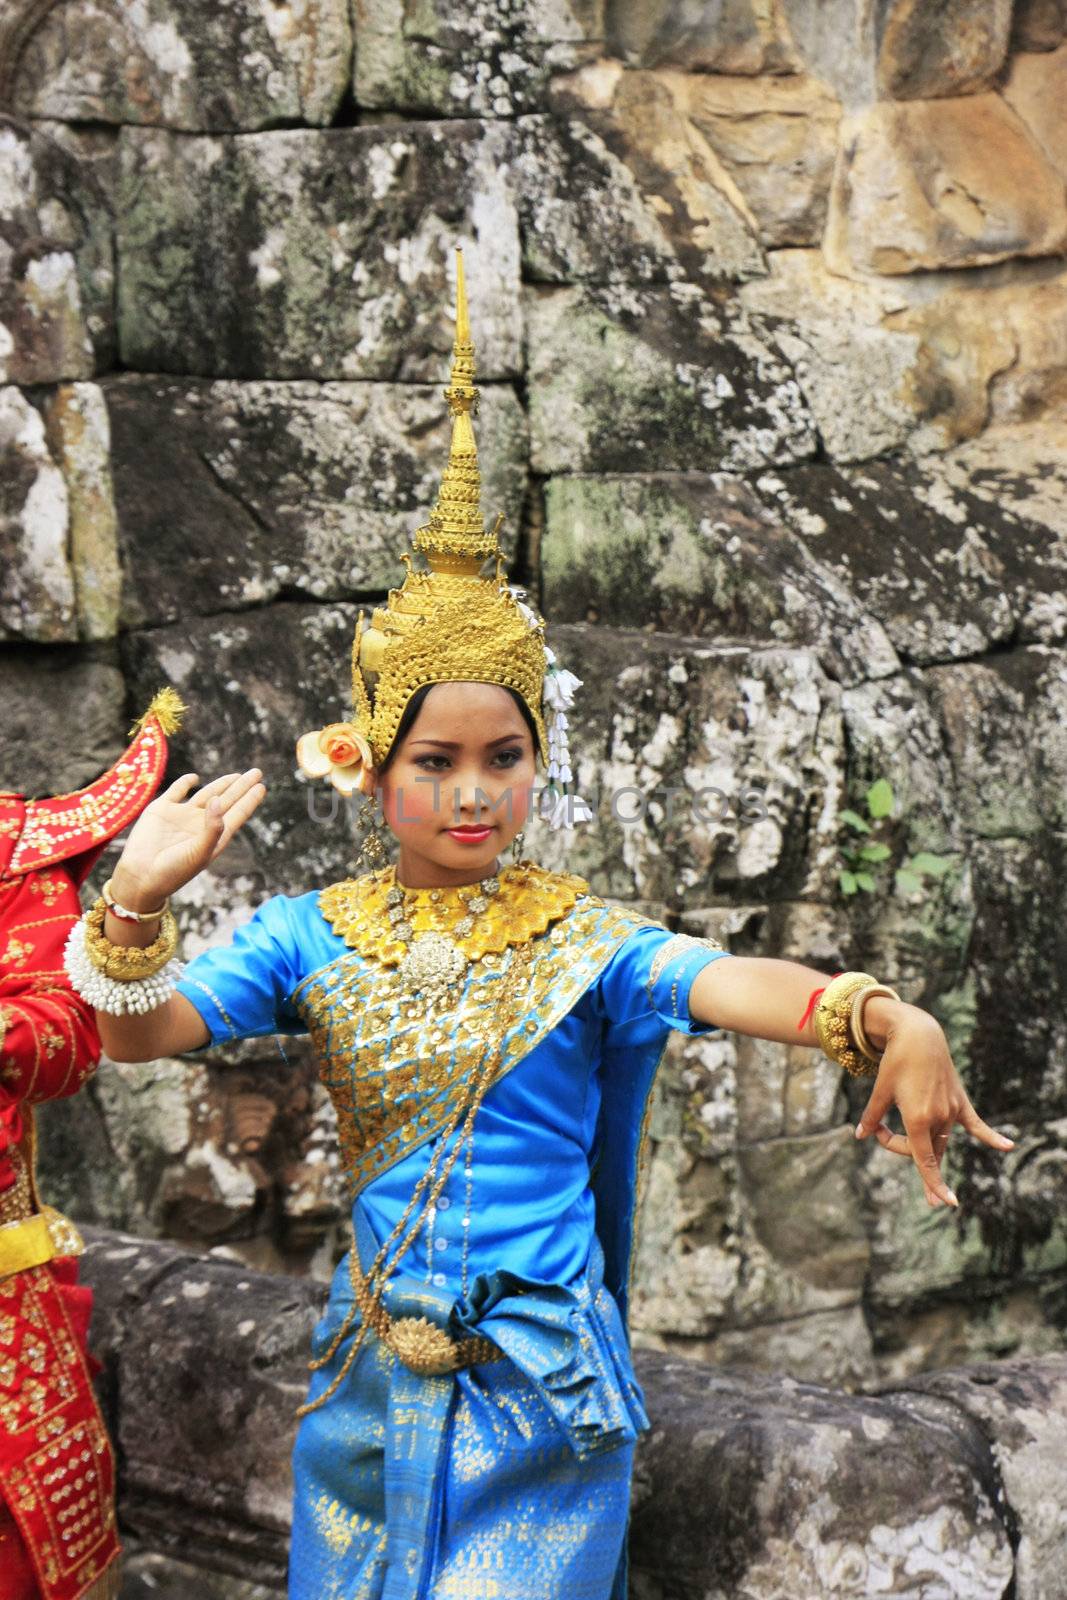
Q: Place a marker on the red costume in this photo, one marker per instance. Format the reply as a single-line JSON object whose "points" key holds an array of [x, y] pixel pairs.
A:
{"points": [[58, 1539]]}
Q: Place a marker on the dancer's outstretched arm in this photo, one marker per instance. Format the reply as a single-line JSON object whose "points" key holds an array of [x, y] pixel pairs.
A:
{"points": [[767, 999]]}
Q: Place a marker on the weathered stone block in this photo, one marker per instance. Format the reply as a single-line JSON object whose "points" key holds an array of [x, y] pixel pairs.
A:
{"points": [[624, 186], [485, 59], [1016, 474], [805, 1492], [307, 255], [777, 138], [837, 41], [742, 36], [1018, 1409], [799, 1191], [38, 598], [658, 380], [987, 353], [1034, 89], [201, 67], [935, 550], [43, 337], [891, 731], [1010, 1223], [77, 176], [1014, 1323], [230, 494], [1038, 24], [1016, 1046], [916, 188], [147, 1575], [911, 360], [79, 438], [64, 720], [914, 361], [739, 1232], [701, 555], [243, 712], [997, 716], [627, 192], [832, 1347], [671, 735], [902, 49], [221, 1453], [855, 369], [954, 48]]}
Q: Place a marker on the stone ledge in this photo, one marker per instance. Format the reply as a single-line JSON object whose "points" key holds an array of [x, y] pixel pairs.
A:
{"points": [[754, 1486]]}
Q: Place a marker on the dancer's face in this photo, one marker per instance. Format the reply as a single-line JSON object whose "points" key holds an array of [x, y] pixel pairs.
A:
{"points": [[459, 787]]}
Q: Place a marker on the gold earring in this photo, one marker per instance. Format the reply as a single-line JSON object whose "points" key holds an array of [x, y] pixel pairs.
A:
{"points": [[373, 854]]}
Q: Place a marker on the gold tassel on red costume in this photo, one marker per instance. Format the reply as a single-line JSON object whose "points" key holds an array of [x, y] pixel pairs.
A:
{"points": [[107, 1586], [168, 709]]}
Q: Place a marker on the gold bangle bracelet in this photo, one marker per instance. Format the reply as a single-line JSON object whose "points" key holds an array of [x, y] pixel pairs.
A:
{"points": [[859, 1032], [832, 1018], [128, 961]]}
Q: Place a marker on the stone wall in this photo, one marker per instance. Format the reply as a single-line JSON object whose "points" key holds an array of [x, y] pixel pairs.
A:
{"points": [[771, 318], [747, 1485]]}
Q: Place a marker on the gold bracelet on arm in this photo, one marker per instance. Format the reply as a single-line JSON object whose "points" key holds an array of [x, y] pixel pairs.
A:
{"points": [[859, 1032], [833, 1018], [130, 961]]}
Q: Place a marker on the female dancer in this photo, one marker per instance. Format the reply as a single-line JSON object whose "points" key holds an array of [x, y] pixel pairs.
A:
{"points": [[488, 1035]]}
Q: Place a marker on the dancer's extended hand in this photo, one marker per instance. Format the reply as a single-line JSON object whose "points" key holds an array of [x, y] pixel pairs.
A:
{"points": [[918, 1076], [180, 832]]}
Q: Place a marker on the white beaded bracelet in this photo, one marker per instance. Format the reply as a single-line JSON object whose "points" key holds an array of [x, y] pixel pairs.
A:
{"points": [[117, 996]]}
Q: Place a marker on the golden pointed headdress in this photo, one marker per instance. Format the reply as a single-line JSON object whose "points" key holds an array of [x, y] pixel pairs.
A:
{"points": [[447, 623]]}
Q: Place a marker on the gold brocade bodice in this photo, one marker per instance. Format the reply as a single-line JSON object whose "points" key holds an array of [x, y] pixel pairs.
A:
{"points": [[395, 1072]]}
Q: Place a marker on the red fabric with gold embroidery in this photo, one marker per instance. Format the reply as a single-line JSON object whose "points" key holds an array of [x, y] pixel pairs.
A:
{"points": [[56, 1464], [58, 1538], [48, 1040]]}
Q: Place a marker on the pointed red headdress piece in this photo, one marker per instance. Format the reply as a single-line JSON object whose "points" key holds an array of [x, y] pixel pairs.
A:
{"points": [[74, 828]]}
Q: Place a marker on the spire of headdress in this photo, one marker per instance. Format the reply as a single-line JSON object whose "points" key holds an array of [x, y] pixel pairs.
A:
{"points": [[447, 622], [454, 540]]}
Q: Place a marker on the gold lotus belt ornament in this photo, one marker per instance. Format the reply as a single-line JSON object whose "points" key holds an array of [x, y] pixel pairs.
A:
{"points": [[420, 1344]]}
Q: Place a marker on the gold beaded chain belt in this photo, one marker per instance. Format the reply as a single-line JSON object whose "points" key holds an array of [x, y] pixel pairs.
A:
{"points": [[416, 1341], [420, 1344]]}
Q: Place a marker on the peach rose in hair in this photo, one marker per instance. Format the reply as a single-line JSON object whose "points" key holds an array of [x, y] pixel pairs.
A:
{"points": [[338, 752]]}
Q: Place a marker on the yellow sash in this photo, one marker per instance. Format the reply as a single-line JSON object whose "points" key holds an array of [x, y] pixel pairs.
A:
{"points": [[37, 1239]]}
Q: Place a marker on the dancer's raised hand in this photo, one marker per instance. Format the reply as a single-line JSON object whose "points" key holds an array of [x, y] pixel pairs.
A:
{"points": [[180, 832]]}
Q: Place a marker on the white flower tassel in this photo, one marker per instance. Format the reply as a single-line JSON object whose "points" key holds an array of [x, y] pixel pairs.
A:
{"points": [[561, 807], [118, 997]]}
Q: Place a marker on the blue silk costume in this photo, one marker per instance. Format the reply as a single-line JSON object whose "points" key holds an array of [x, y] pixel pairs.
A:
{"points": [[506, 1480]]}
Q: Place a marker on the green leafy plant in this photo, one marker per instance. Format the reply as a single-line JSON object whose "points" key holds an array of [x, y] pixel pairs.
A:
{"points": [[867, 854]]}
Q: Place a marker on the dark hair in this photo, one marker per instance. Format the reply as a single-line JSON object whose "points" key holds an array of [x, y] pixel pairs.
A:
{"points": [[414, 706]]}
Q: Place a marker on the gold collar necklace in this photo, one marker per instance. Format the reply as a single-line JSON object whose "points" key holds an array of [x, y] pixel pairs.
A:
{"points": [[433, 936], [435, 963]]}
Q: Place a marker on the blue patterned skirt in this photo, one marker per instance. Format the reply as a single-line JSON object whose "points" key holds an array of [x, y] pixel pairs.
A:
{"points": [[508, 1481]]}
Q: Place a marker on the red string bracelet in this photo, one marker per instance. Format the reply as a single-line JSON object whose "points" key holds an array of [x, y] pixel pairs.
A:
{"points": [[813, 1002]]}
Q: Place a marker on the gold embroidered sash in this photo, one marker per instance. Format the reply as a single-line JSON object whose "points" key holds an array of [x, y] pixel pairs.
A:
{"points": [[395, 1075]]}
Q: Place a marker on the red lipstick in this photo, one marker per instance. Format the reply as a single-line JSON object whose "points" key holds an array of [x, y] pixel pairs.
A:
{"points": [[470, 835]]}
